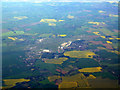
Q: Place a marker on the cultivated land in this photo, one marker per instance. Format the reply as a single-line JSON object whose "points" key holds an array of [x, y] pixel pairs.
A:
{"points": [[60, 45]]}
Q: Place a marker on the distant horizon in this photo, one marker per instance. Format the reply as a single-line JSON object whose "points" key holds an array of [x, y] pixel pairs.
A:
{"points": [[38, 1]]}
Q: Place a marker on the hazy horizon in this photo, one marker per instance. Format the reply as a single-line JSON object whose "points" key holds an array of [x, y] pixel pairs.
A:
{"points": [[57, 0]]}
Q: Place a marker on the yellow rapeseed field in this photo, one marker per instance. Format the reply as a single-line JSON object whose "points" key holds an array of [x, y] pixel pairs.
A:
{"points": [[102, 36], [12, 82], [118, 38], [97, 33], [67, 85], [20, 17], [97, 23], [109, 42], [92, 69], [12, 38], [111, 15], [52, 24], [61, 20], [48, 20], [70, 17], [78, 81], [91, 77], [101, 11], [111, 38], [62, 35], [80, 54], [21, 39]]}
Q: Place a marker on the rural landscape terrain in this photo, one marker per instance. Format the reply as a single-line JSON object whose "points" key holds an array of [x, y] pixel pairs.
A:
{"points": [[60, 45]]}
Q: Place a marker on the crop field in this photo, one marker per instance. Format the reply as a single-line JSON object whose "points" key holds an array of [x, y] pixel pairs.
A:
{"points": [[79, 54], [55, 61], [92, 69], [12, 82], [60, 44]]}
